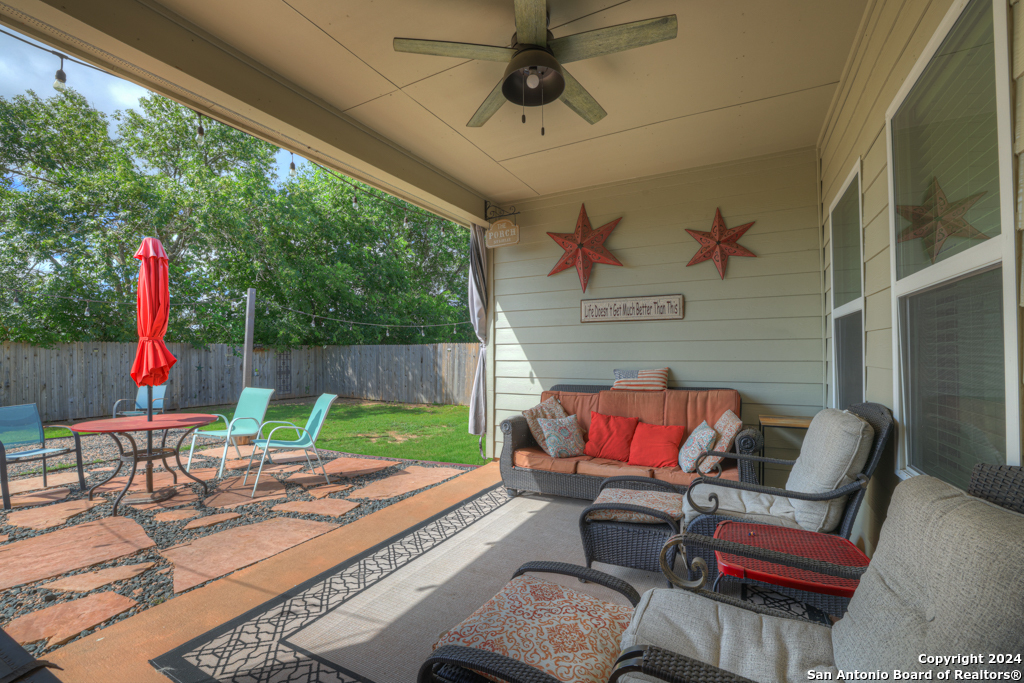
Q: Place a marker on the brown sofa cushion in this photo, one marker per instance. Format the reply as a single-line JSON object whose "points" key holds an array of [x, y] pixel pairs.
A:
{"points": [[690, 408], [649, 406], [602, 467], [532, 458], [675, 475]]}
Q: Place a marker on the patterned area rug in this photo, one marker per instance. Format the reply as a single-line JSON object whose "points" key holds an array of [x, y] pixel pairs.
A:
{"points": [[374, 618]]}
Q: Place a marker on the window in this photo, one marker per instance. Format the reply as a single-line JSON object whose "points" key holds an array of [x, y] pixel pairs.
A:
{"points": [[847, 295], [952, 251]]}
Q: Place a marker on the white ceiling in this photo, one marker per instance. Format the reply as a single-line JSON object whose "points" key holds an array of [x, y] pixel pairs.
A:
{"points": [[743, 78]]}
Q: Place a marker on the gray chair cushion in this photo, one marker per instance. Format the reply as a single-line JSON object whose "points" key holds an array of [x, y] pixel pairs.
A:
{"points": [[745, 505], [947, 577], [834, 451], [760, 647]]}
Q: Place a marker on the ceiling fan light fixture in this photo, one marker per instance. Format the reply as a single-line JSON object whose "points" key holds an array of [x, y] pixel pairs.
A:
{"points": [[533, 78]]}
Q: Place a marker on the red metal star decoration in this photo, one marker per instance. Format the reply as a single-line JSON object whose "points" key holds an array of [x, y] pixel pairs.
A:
{"points": [[719, 244], [584, 248], [938, 220]]}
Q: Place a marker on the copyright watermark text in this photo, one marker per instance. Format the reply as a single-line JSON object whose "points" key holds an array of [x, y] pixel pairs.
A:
{"points": [[959, 667]]}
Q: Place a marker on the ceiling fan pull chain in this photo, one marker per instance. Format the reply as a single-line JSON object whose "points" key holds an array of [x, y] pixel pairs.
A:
{"points": [[524, 100], [542, 108]]}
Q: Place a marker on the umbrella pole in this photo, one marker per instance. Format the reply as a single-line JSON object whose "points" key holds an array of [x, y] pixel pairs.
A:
{"points": [[149, 439]]}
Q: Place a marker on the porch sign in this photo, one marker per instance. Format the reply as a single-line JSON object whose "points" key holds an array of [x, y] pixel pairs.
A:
{"points": [[665, 307], [502, 234]]}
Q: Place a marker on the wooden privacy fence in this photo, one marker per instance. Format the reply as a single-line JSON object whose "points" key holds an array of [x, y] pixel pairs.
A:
{"points": [[83, 380]]}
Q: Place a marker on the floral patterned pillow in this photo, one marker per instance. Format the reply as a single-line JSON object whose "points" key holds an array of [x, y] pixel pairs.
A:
{"points": [[727, 427], [702, 439], [564, 632], [550, 409], [562, 438], [662, 501]]}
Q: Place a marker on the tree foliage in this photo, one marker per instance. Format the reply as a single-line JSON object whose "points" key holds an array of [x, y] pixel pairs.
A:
{"points": [[79, 190]]}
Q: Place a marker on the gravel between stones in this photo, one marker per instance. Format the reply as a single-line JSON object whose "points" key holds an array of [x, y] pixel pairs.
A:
{"points": [[156, 585]]}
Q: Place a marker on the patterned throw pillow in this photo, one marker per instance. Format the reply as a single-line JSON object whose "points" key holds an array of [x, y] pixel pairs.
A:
{"points": [[702, 439], [727, 427], [564, 632], [662, 501], [550, 409], [646, 380], [562, 438], [626, 374]]}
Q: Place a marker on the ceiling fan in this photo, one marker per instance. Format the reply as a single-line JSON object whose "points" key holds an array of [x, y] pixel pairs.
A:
{"points": [[535, 75]]}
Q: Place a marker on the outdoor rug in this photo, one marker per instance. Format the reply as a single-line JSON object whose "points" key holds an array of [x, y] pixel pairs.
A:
{"points": [[375, 617]]}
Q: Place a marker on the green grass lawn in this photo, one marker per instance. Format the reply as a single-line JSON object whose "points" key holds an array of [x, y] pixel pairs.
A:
{"points": [[393, 430]]}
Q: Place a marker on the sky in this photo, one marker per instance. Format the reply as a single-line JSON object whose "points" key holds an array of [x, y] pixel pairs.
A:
{"points": [[23, 67]]}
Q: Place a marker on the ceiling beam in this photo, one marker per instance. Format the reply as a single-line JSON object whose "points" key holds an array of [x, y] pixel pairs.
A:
{"points": [[147, 44]]}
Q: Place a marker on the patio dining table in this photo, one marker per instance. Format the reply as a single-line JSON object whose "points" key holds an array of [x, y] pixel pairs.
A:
{"points": [[123, 427]]}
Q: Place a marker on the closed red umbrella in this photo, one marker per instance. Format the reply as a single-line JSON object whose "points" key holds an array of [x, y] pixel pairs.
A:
{"points": [[153, 360]]}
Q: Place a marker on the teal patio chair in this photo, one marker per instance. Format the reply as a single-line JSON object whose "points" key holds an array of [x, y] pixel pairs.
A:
{"points": [[21, 426], [306, 439], [247, 422], [140, 405]]}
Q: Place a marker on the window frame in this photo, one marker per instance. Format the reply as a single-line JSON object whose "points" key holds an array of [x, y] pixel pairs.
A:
{"points": [[1000, 251], [857, 304]]}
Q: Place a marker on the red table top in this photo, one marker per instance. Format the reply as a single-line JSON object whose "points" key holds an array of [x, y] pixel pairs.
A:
{"points": [[825, 547], [141, 424]]}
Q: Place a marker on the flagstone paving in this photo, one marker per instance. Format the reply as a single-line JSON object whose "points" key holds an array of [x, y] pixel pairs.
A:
{"points": [[36, 483], [307, 481], [65, 550], [160, 480], [175, 515], [3, 538], [61, 623], [210, 520], [184, 496], [51, 515], [218, 554], [328, 507], [404, 481], [27, 500], [90, 581], [327, 489], [231, 492], [357, 467]]}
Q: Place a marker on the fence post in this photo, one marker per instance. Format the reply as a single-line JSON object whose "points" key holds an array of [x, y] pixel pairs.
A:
{"points": [[250, 329]]}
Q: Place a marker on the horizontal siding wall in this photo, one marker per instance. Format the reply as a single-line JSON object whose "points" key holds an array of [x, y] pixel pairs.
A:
{"points": [[895, 32], [758, 331]]}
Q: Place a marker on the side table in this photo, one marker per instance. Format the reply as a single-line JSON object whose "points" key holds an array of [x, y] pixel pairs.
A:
{"points": [[779, 422], [815, 546]]}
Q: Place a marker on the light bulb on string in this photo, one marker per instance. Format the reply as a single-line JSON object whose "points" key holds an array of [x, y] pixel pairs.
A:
{"points": [[86, 309], [200, 133], [61, 80], [422, 333], [355, 204], [387, 331], [291, 167], [312, 323]]}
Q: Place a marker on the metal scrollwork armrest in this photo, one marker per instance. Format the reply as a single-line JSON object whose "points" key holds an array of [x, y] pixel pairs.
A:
{"points": [[853, 487], [588, 575]]}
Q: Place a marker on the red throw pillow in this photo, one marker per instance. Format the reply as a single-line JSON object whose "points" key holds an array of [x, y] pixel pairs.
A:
{"points": [[610, 436], [656, 446]]}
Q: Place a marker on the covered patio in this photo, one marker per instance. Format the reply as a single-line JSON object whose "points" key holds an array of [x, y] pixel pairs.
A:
{"points": [[809, 205]]}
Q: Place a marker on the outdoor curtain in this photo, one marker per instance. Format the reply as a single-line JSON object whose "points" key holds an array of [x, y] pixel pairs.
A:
{"points": [[478, 316]]}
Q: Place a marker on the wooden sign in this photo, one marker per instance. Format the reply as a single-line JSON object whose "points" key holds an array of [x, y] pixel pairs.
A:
{"points": [[502, 234], [665, 307]]}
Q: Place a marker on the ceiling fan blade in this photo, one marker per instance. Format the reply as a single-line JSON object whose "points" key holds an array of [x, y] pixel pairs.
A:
{"points": [[606, 41], [441, 48], [580, 101], [532, 22], [489, 108]]}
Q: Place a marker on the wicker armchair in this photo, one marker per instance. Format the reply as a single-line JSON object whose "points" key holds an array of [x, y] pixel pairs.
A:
{"points": [[707, 518], [912, 599]]}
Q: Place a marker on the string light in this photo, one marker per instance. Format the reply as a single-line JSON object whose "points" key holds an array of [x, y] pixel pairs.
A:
{"points": [[387, 331], [200, 133], [422, 333], [87, 310], [355, 204], [291, 168], [60, 82], [312, 323]]}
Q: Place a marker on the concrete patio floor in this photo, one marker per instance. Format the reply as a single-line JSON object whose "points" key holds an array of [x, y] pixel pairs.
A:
{"points": [[121, 652]]}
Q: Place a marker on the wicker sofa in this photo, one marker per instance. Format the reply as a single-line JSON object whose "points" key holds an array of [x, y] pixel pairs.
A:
{"points": [[526, 467]]}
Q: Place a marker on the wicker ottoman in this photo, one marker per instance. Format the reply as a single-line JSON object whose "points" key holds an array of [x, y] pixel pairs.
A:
{"points": [[630, 521]]}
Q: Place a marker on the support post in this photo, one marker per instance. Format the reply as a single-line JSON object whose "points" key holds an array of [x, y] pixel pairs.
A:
{"points": [[250, 329]]}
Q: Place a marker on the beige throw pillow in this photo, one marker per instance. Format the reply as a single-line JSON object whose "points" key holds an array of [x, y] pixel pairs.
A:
{"points": [[550, 409]]}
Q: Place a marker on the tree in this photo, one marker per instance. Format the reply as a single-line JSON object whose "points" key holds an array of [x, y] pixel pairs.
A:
{"points": [[79, 192]]}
